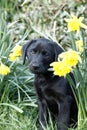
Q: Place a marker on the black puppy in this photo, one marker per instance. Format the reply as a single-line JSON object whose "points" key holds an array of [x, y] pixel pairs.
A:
{"points": [[54, 93]]}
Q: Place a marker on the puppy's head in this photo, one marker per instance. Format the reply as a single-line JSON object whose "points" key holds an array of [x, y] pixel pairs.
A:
{"points": [[40, 53]]}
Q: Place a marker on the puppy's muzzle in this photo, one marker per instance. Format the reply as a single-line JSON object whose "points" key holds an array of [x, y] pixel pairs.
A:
{"points": [[34, 67]]}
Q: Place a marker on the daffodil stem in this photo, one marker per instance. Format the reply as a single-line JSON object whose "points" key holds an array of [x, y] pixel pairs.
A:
{"points": [[72, 40]]}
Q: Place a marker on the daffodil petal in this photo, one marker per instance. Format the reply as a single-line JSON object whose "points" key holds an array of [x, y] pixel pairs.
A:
{"points": [[83, 26], [4, 70]]}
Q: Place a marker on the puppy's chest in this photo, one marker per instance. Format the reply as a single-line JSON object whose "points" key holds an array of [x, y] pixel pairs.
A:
{"points": [[47, 90]]}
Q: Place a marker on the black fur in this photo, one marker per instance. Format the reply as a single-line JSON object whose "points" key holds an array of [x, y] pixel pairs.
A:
{"points": [[54, 93]]}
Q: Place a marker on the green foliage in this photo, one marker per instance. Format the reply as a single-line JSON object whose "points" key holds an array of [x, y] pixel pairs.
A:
{"points": [[21, 20]]}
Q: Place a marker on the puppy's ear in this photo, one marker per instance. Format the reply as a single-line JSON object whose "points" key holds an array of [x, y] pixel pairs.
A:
{"points": [[57, 49], [24, 49]]}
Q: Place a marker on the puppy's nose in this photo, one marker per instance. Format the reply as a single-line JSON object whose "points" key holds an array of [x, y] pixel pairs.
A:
{"points": [[35, 66]]}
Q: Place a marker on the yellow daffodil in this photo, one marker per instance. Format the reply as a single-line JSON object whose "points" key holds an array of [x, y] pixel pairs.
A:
{"points": [[60, 68], [65, 62], [70, 57], [16, 52], [4, 70], [75, 23], [12, 57], [79, 45]]}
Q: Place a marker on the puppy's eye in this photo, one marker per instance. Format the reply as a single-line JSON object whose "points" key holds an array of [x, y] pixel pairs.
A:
{"points": [[45, 53], [33, 51]]}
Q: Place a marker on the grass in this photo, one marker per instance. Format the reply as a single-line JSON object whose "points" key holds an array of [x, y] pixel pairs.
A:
{"points": [[19, 21]]}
